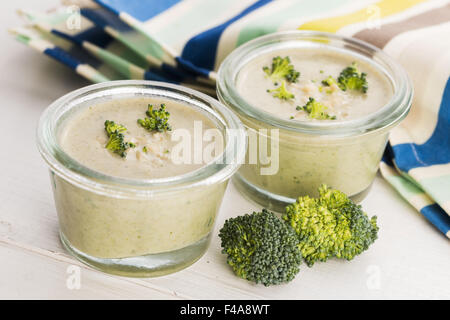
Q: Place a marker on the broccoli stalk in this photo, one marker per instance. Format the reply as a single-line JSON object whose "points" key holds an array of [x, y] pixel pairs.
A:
{"points": [[281, 92], [281, 69], [116, 142], [156, 120], [351, 79], [316, 110], [330, 226], [261, 248]]}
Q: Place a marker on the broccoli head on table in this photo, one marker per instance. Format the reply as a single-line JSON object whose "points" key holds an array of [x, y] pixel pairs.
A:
{"points": [[330, 226], [261, 248]]}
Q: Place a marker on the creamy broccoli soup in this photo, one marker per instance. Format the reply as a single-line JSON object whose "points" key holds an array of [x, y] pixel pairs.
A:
{"points": [[147, 153], [318, 78]]}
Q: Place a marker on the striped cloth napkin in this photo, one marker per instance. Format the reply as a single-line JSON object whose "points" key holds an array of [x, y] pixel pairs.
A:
{"points": [[184, 42]]}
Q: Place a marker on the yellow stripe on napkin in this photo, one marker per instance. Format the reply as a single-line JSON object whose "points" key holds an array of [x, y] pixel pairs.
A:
{"points": [[386, 8]]}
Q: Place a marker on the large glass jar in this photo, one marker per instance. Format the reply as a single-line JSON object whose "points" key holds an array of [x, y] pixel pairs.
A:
{"points": [[137, 227], [342, 154]]}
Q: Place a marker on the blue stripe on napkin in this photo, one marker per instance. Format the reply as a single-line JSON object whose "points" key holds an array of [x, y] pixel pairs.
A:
{"points": [[437, 216], [188, 66], [201, 50], [142, 10], [94, 35], [63, 57], [435, 150], [155, 75], [102, 18]]}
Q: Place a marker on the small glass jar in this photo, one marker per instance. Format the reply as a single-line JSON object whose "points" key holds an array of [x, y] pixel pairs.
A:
{"points": [[342, 154], [137, 227]]}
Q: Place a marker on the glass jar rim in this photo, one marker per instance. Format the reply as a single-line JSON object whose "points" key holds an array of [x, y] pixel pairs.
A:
{"points": [[220, 169], [391, 113]]}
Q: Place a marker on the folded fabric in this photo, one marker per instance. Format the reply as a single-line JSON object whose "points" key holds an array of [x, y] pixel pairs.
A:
{"points": [[107, 50], [185, 42], [65, 53], [412, 193]]}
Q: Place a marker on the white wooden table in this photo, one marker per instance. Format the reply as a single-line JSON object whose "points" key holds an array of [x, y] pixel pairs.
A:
{"points": [[410, 260]]}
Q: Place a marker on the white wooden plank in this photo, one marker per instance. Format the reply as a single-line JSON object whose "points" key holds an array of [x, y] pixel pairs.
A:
{"points": [[39, 274]]}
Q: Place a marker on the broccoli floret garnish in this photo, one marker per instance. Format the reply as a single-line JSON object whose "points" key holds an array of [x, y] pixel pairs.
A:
{"points": [[261, 248], [281, 92], [281, 68], [157, 120], [328, 82], [116, 142], [316, 110], [351, 79], [111, 127], [330, 226]]}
